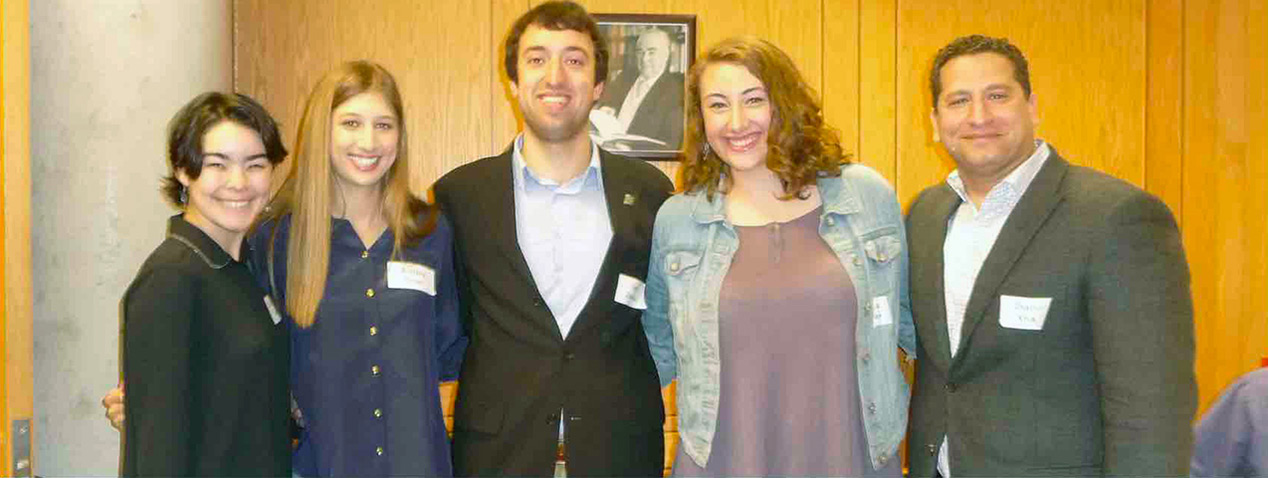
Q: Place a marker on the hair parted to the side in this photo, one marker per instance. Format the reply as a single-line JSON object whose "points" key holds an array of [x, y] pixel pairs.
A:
{"points": [[191, 123], [972, 45], [800, 146], [310, 193], [556, 16]]}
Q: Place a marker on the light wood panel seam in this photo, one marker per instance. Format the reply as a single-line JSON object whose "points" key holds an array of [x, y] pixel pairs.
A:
{"points": [[893, 138], [233, 43], [858, 84], [1183, 98]]}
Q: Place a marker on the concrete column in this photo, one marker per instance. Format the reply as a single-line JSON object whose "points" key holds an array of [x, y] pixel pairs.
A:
{"points": [[106, 75]]}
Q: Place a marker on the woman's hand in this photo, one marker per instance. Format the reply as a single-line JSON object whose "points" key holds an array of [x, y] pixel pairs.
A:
{"points": [[113, 403]]}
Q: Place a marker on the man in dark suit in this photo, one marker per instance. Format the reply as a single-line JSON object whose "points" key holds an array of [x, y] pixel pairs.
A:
{"points": [[1051, 301], [552, 239], [648, 99]]}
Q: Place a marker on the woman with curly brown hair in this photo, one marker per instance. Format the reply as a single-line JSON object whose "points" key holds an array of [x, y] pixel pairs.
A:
{"points": [[777, 291]]}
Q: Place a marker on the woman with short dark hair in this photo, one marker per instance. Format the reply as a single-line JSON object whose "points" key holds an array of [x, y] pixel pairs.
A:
{"points": [[204, 349]]}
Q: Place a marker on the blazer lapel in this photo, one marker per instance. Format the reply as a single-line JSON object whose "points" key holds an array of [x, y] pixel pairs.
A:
{"points": [[945, 203], [1031, 212], [500, 209], [620, 197]]}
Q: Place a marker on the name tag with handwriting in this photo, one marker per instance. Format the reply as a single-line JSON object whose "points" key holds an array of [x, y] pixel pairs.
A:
{"points": [[1023, 313], [408, 275]]}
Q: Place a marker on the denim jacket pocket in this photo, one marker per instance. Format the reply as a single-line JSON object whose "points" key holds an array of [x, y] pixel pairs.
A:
{"points": [[679, 263], [884, 249]]}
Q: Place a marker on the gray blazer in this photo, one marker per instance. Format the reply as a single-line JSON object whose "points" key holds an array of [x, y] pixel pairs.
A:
{"points": [[1106, 386]]}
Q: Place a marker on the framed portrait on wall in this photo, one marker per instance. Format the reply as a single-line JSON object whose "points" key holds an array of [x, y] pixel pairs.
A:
{"points": [[640, 113]]}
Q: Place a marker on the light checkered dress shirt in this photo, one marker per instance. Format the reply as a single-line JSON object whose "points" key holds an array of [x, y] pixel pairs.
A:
{"points": [[971, 232]]}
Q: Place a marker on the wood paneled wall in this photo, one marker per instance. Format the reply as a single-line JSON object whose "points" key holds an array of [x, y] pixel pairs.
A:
{"points": [[1166, 94]]}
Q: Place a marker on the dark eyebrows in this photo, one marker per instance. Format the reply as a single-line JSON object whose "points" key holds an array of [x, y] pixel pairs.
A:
{"points": [[755, 89], [572, 49], [947, 95], [568, 49], [225, 157]]}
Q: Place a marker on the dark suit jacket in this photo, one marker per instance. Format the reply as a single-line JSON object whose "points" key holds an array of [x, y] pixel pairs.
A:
{"points": [[660, 115], [519, 372], [1107, 385]]}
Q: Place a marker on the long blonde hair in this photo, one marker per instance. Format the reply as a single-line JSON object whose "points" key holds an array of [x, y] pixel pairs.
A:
{"points": [[310, 187]]}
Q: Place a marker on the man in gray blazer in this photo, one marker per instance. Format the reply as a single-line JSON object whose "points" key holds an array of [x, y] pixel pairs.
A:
{"points": [[1051, 301]]}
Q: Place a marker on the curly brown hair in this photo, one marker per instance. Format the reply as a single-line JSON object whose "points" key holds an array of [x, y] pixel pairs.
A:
{"points": [[800, 146]]}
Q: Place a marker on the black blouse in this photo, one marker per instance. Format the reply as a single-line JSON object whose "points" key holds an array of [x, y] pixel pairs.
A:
{"points": [[205, 365]]}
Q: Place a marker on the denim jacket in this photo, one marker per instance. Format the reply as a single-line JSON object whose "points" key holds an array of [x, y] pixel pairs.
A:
{"points": [[692, 247]]}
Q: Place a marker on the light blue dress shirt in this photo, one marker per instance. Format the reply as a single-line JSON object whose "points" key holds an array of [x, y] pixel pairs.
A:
{"points": [[563, 231]]}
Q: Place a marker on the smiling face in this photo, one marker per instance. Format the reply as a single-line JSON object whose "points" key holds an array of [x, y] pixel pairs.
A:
{"points": [[556, 86], [364, 137], [652, 51], [233, 185], [984, 117], [737, 114]]}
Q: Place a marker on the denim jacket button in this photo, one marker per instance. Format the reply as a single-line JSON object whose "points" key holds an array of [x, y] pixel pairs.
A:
{"points": [[857, 262], [673, 267], [831, 221], [871, 408], [866, 358]]}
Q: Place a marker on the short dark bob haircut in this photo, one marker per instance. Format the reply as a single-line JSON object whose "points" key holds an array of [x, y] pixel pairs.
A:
{"points": [[557, 16], [186, 130]]}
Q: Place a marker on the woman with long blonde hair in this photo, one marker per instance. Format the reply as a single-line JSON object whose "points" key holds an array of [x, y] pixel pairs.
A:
{"points": [[364, 269]]}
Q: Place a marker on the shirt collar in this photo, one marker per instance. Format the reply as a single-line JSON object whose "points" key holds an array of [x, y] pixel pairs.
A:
{"points": [[526, 179], [202, 244], [1013, 185], [652, 80]]}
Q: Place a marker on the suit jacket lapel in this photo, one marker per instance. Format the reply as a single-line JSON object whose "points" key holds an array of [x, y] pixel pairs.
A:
{"points": [[500, 209], [615, 190], [1031, 212], [944, 205]]}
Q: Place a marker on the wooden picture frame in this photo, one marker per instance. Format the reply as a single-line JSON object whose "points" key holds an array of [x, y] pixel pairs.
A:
{"points": [[640, 112]]}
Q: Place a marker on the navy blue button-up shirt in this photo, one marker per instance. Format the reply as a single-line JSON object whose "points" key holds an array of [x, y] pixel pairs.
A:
{"points": [[365, 375]]}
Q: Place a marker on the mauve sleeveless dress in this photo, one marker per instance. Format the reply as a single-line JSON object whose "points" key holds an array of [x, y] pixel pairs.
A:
{"points": [[789, 402]]}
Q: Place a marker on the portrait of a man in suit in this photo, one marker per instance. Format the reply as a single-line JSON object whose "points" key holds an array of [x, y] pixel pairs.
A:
{"points": [[645, 94]]}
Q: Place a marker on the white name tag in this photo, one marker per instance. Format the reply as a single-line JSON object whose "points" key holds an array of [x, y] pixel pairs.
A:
{"points": [[880, 311], [273, 314], [1023, 313], [630, 291], [408, 275]]}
